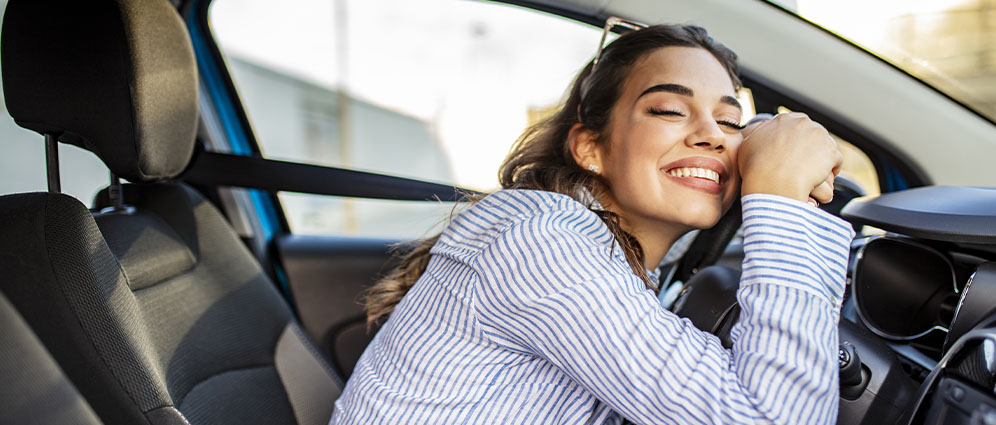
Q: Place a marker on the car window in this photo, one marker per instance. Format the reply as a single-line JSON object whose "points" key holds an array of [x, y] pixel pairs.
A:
{"points": [[22, 165], [436, 90], [947, 44]]}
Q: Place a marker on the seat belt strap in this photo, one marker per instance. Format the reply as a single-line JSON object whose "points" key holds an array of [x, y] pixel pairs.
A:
{"points": [[253, 172]]}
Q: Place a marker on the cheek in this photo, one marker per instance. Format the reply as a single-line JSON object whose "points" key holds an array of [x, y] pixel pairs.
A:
{"points": [[733, 153], [733, 189], [627, 159], [733, 143], [731, 195]]}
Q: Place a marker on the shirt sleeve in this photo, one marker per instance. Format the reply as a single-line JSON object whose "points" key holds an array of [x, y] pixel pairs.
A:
{"points": [[553, 286]]}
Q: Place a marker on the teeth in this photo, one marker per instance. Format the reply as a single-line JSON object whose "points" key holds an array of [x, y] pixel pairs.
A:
{"points": [[702, 173]]}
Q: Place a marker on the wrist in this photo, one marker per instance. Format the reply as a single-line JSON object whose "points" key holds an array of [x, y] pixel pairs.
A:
{"points": [[786, 190]]}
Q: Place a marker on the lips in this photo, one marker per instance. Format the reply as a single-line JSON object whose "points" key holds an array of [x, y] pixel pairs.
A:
{"points": [[700, 173]]}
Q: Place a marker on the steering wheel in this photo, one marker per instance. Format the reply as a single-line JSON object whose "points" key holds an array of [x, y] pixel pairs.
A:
{"points": [[709, 300]]}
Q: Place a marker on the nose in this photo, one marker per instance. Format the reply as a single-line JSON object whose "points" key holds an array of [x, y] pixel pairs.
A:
{"points": [[706, 134]]}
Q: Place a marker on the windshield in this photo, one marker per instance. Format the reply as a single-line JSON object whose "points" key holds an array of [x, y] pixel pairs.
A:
{"points": [[949, 44]]}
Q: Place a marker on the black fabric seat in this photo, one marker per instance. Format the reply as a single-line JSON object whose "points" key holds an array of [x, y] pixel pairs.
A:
{"points": [[34, 389], [156, 311]]}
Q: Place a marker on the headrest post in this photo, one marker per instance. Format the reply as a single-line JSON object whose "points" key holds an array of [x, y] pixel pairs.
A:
{"points": [[52, 163], [117, 198], [114, 192]]}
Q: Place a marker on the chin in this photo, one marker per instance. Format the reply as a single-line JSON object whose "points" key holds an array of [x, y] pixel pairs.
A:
{"points": [[703, 218], [698, 213], [704, 224]]}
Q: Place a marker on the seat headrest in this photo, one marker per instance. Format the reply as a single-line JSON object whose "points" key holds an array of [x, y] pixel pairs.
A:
{"points": [[115, 77]]}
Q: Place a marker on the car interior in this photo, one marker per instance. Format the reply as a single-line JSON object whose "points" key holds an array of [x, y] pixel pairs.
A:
{"points": [[154, 305], [157, 309]]}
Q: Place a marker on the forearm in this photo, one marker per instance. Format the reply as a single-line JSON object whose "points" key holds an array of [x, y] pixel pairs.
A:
{"points": [[785, 345]]}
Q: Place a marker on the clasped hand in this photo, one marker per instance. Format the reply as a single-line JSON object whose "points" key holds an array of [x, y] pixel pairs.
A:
{"points": [[789, 155]]}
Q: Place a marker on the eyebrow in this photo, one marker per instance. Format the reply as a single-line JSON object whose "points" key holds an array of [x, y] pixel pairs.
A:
{"points": [[685, 91]]}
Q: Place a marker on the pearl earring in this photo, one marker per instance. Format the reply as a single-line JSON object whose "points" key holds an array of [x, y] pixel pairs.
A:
{"points": [[593, 168]]}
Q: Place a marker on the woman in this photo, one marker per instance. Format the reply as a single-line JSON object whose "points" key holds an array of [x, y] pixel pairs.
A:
{"points": [[536, 305]]}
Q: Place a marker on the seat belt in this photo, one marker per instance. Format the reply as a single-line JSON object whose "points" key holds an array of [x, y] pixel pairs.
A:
{"points": [[254, 172]]}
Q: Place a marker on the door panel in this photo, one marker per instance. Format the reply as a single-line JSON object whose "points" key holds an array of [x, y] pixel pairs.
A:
{"points": [[327, 276]]}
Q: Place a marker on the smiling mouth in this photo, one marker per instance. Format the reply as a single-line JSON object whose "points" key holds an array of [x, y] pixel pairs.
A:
{"points": [[699, 173]]}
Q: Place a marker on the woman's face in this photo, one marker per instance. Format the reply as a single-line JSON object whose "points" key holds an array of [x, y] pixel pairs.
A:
{"points": [[671, 157]]}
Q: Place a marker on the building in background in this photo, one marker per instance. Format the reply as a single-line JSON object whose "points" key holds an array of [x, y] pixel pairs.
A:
{"points": [[300, 119]]}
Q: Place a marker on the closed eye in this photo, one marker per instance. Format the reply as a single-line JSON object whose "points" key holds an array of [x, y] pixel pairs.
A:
{"points": [[730, 124], [666, 112], [673, 113]]}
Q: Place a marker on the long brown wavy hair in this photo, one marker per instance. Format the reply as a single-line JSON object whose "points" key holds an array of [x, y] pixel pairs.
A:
{"points": [[541, 158]]}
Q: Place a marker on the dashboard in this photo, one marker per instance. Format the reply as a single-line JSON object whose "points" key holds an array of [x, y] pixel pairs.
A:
{"points": [[918, 323]]}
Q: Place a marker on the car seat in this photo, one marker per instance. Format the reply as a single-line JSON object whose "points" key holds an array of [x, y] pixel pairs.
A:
{"points": [[153, 306], [33, 390]]}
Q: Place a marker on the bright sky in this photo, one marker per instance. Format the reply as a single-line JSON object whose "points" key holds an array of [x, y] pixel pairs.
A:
{"points": [[862, 20], [469, 69], [865, 23]]}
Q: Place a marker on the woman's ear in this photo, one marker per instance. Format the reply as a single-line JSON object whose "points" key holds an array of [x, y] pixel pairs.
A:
{"points": [[585, 148]]}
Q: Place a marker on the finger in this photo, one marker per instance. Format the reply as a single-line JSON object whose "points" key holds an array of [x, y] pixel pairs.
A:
{"points": [[823, 193], [838, 160], [830, 178]]}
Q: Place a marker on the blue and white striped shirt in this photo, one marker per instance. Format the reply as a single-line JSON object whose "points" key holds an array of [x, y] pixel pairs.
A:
{"points": [[529, 314]]}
